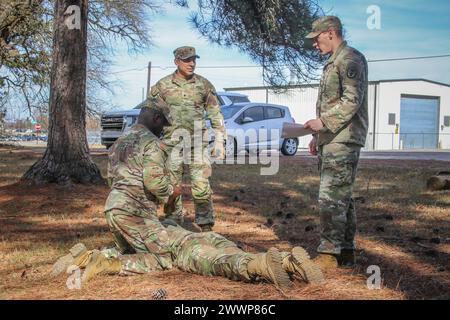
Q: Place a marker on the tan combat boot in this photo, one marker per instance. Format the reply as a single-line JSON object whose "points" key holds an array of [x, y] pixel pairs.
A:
{"points": [[300, 266], [81, 261], [269, 266], [100, 264], [326, 261], [66, 261]]}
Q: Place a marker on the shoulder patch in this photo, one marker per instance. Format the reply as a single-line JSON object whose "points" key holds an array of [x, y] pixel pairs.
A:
{"points": [[154, 91], [124, 150], [211, 98], [208, 85], [152, 146], [353, 70]]}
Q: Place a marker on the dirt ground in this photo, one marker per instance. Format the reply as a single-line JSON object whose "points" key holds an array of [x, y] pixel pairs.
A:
{"points": [[402, 228]]}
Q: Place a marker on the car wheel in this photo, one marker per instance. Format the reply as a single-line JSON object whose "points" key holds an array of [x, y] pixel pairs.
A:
{"points": [[289, 147], [231, 148]]}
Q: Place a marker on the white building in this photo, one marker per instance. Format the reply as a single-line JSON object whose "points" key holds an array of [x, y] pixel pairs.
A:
{"points": [[403, 114]]}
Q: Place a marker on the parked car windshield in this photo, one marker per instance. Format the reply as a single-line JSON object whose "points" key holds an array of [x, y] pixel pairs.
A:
{"points": [[230, 111], [238, 99]]}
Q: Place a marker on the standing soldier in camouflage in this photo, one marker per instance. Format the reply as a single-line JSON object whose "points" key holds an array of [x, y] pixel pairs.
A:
{"points": [[190, 97], [136, 174], [341, 129]]}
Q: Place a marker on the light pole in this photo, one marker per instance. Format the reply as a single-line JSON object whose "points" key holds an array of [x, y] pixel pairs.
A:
{"points": [[149, 75]]}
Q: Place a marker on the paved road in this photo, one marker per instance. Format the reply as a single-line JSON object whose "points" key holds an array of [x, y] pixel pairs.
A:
{"points": [[407, 155], [402, 155], [382, 155]]}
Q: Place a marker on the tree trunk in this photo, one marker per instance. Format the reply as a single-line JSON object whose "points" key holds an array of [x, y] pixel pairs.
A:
{"points": [[439, 182], [67, 157]]}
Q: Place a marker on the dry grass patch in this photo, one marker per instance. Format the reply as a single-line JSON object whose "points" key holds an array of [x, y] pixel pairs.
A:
{"points": [[401, 228]]}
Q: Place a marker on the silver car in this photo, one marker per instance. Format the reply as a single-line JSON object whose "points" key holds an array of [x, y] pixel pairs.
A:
{"points": [[115, 123], [254, 127]]}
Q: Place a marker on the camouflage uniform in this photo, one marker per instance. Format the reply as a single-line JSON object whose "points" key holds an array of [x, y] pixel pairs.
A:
{"points": [[342, 107], [136, 174], [189, 100], [208, 254]]}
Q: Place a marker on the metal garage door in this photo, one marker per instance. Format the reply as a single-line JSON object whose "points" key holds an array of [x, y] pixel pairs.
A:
{"points": [[419, 122]]}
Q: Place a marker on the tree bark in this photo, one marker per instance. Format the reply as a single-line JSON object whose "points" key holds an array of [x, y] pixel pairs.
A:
{"points": [[67, 157]]}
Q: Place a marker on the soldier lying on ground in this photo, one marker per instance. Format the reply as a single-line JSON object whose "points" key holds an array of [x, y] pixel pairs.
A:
{"points": [[136, 174]]}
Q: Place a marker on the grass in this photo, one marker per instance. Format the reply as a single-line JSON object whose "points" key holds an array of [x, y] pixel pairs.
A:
{"points": [[402, 228]]}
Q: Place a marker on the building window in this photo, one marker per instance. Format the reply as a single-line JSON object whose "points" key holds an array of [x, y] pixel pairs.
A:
{"points": [[447, 121], [391, 119]]}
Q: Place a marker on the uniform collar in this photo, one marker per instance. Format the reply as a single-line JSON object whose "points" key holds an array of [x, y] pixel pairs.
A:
{"points": [[337, 52], [139, 127], [180, 81]]}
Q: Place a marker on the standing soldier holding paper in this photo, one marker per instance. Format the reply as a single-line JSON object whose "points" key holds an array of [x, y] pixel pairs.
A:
{"points": [[190, 97], [340, 132]]}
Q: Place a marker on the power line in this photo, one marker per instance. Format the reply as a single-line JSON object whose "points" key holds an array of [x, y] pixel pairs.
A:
{"points": [[410, 58], [214, 67], [173, 67], [129, 70], [244, 66]]}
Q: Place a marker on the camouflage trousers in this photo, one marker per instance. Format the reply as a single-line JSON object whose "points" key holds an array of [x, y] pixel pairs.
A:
{"points": [[199, 167], [208, 254], [211, 254], [338, 164], [140, 232]]}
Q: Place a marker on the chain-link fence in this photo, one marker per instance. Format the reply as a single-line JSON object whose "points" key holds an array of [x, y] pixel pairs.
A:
{"points": [[27, 137], [408, 141], [399, 141]]}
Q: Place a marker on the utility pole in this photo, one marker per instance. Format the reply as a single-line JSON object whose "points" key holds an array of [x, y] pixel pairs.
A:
{"points": [[149, 75]]}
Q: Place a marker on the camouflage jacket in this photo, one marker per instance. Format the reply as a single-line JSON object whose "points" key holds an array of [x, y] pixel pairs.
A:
{"points": [[189, 101], [136, 172], [342, 103]]}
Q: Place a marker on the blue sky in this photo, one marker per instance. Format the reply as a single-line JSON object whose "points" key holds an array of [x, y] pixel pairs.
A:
{"points": [[409, 28]]}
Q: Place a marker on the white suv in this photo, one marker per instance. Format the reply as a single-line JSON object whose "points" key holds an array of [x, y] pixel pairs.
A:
{"points": [[254, 127]]}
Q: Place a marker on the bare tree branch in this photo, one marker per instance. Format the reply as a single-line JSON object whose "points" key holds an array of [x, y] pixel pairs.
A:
{"points": [[26, 32], [270, 32]]}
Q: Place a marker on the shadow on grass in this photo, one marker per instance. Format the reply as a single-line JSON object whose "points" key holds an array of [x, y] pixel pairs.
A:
{"points": [[288, 204]]}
